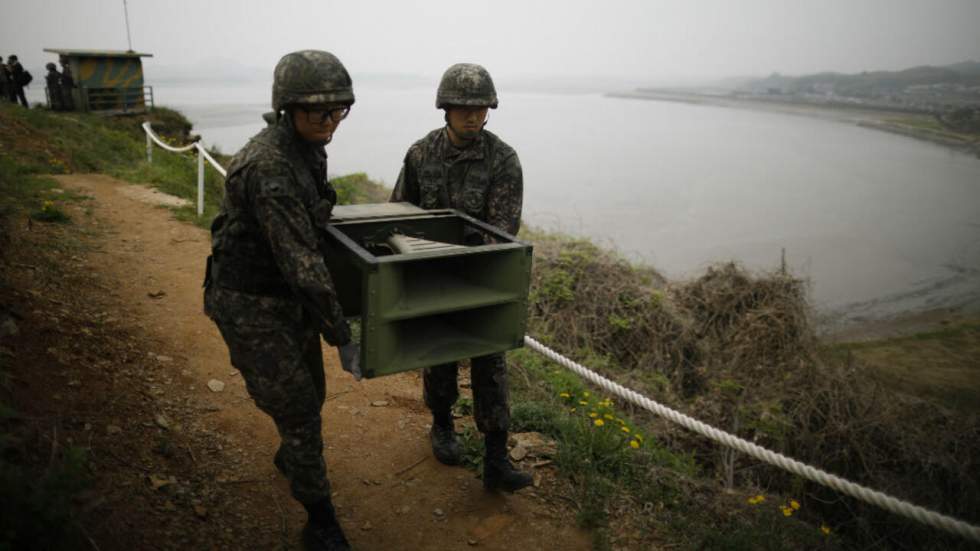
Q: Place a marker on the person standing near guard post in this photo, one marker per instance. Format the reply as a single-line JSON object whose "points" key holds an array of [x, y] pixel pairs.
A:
{"points": [[55, 92], [465, 167], [4, 81], [267, 287], [67, 86], [17, 78]]}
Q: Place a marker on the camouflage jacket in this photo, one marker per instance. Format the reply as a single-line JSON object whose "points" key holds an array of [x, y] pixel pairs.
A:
{"points": [[483, 180], [265, 241]]}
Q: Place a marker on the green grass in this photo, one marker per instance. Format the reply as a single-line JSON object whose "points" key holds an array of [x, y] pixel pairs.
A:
{"points": [[38, 142], [941, 365]]}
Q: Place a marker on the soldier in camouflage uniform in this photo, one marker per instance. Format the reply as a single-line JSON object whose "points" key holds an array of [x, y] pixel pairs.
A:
{"points": [[53, 81], [465, 167], [268, 289]]}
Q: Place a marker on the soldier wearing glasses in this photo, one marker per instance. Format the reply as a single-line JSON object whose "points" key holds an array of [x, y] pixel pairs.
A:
{"points": [[465, 167], [267, 287]]}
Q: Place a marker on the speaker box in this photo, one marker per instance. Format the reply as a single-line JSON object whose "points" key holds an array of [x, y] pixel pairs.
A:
{"points": [[428, 286]]}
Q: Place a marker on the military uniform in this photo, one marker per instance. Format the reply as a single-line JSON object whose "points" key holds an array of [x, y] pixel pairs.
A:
{"points": [[4, 82], [67, 87], [485, 181], [55, 93], [16, 86], [272, 296], [479, 174]]}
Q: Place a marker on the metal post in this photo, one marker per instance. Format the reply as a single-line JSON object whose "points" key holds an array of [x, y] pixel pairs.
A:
{"points": [[149, 148], [200, 179]]}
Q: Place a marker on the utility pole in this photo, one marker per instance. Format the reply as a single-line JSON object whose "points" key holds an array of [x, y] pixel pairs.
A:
{"points": [[129, 39]]}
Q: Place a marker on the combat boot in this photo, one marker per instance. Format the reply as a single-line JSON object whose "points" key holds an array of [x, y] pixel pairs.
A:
{"points": [[445, 446], [498, 473], [322, 531]]}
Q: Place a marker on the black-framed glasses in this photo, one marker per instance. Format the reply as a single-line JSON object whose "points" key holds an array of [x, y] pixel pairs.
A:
{"points": [[320, 116]]}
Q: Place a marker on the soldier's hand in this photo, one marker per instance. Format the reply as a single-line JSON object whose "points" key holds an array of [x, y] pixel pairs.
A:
{"points": [[350, 359]]}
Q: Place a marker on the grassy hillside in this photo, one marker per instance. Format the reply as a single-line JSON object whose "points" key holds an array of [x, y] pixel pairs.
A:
{"points": [[37, 142]]}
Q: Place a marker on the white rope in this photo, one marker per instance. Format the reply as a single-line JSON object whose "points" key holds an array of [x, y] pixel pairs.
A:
{"points": [[149, 132], [852, 489], [202, 154], [211, 160], [196, 145]]}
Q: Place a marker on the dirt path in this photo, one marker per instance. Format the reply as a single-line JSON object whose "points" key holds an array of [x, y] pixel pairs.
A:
{"points": [[178, 465]]}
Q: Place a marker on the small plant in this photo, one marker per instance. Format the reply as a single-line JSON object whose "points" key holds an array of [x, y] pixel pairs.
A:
{"points": [[49, 212]]}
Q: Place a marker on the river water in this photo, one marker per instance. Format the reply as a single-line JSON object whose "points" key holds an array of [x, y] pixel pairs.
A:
{"points": [[880, 224]]}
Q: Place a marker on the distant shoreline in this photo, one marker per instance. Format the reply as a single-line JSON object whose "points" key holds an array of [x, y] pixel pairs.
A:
{"points": [[920, 126]]}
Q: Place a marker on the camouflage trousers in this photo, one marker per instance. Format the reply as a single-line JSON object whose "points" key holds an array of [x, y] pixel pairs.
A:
{"points": [[282, 366], [488, 376]]}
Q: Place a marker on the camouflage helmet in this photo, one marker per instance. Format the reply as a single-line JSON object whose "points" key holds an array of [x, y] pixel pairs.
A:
{"points": [[310, 77], [466, 84]]}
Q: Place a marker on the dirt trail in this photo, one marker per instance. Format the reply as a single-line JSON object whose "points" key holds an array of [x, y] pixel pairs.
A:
{"points": [[179, 465]]}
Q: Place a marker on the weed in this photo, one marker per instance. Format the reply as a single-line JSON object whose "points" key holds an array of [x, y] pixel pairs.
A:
{"points": [[49, 212]]}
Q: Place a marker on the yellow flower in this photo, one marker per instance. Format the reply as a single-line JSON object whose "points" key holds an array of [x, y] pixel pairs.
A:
{"points": [[638, 436], [565, 395], [634, 444], [625, 429], [787, 511], [599, 422], [794, 504], [610, 417], [825, 529], [572, 410], [593, 415], [757, 499], [583, 402], [586, 394]]}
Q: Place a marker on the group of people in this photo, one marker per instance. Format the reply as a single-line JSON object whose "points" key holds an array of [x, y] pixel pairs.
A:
{"points": [[271, 295], [60, 87], [13, 79]]}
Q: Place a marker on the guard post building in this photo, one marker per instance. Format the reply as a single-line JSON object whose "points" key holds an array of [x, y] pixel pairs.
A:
{"points": [[107, 81]]}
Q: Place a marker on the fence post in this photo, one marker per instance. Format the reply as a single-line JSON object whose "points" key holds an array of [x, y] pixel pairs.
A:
{"points": [[149, 148], [200, 179]]}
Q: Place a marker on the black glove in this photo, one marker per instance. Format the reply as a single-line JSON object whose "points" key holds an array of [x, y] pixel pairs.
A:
{"points": [[350, 359], [473, 237]]}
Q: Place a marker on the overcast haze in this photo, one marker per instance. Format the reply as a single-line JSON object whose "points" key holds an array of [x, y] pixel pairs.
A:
{"points": [[652, 41]]}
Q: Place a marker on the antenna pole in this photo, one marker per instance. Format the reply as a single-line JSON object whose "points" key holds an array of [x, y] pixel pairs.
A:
{"points": [[129, 38]]}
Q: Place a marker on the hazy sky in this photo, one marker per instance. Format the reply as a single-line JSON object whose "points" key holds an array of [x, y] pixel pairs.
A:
{"points": [[647, 40]]}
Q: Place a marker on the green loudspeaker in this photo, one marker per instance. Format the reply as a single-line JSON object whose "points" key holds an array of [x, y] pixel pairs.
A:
{"points": [[427, 287]]}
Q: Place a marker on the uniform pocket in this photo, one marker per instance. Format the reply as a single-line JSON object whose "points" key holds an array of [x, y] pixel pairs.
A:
{"points": [[473, 202], [429, 195]]}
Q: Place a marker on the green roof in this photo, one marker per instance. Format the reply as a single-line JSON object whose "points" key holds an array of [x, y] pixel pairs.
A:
{"points": [[96, 53]]}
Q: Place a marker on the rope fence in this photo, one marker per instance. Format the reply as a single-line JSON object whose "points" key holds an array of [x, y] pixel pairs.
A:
{"points": [[846, 487], [202, 155], [852, 489]]}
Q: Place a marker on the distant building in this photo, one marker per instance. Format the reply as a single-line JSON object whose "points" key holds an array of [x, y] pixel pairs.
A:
{"points": [[107, 81]]}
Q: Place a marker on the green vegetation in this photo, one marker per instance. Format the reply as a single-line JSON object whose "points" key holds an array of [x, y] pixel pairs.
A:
{"points": [[942, 365], [38, 142], [735, 350]]}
